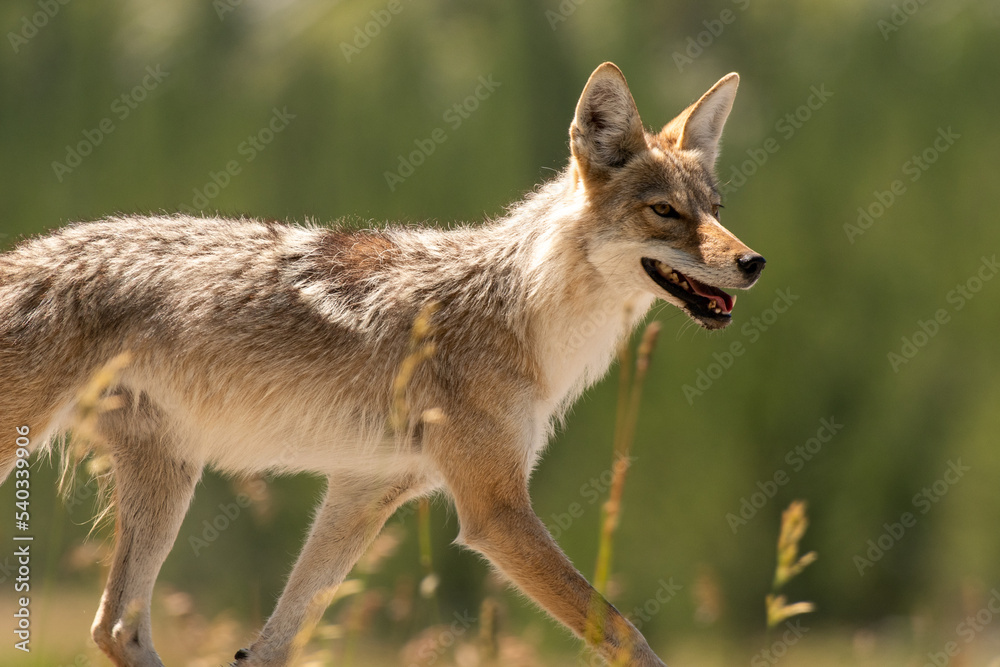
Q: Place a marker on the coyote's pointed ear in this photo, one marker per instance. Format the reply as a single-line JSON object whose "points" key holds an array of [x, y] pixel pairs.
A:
{"points": [[606, 131], [699, 127]]}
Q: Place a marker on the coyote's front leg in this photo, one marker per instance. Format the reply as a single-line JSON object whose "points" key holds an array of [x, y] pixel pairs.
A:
{"points": [[485, 466]]}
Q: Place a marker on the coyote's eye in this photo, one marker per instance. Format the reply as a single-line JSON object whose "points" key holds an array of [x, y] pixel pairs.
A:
{"points": [[715, 210], [665, 210]]}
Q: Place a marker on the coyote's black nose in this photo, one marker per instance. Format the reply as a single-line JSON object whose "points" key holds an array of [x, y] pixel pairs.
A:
{"points": [[751, 264]]}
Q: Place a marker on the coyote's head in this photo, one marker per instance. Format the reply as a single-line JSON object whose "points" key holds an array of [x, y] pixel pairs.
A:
{"points": [[652, 199]]}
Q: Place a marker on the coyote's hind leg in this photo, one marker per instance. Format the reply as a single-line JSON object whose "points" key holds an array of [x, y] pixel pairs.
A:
{"points": [[153, 488]]}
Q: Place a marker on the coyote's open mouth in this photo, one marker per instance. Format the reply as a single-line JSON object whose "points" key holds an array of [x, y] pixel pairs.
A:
{"points": [[704, 302]]}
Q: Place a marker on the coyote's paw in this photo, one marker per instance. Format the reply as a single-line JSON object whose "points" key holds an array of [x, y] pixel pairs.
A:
{"points": [[124, 643], [246, 657]]}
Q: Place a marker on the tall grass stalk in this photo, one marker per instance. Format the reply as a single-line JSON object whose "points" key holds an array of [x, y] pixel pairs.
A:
{"points": [[86, 441], [629, 399], [401, 425], [794, 522], [429, 583], [630, 384], [420, 350]]}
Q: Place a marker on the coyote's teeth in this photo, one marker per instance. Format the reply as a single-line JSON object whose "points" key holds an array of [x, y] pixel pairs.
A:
{"points": [[685, 285], [667, 273]]}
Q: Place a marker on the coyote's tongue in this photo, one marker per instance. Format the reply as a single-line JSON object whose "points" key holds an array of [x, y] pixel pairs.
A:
{"points": [[722, 300]]}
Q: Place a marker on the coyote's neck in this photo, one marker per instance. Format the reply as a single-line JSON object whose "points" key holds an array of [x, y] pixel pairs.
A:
{"points": [[576, 318]]}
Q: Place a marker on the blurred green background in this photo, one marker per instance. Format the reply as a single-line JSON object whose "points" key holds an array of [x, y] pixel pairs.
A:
{"points": [[839, 109]]}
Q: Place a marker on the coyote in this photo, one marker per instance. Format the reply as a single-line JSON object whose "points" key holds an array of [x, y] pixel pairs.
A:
{"points": [[259, 346]]}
